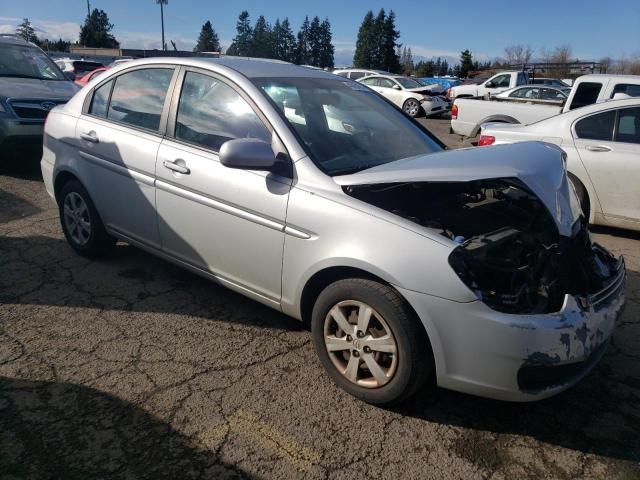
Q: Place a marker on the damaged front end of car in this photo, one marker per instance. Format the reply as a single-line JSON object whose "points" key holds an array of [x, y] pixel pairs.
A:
{"points": [[510, 252], [522, 241]]}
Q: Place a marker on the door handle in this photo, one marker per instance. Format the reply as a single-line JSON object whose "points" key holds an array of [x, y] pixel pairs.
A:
{"points": [[177, 167], [90, 137], [598, 148]]}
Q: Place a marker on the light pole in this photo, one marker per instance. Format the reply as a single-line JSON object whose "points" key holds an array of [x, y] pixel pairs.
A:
{"points": [[88, 8], [162, 3]]}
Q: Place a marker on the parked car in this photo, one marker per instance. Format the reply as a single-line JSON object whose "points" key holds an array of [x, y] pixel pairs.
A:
{"points": [[356, 73], [444, 82], [602, 143], [552, 82], [77, 68], [467, 115], [82, 81], [389, 246], [535, 94], [498, 83], [408, 94], [30, 86]]}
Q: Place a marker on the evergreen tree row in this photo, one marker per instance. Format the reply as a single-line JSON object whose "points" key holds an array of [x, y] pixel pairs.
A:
{"points": [[312, 46], [377, 43]]}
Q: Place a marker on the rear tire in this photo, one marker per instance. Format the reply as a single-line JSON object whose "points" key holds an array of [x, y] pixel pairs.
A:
{"points": [[81, 223], [382, 358]]}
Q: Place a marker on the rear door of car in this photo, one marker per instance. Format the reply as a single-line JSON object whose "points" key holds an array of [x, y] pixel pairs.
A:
{"points": [[118, 136], [609, 146], [227, 222]]}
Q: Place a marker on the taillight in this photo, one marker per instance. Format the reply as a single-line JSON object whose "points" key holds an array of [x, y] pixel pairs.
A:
{"points": [[486, 140], [454, 111]]}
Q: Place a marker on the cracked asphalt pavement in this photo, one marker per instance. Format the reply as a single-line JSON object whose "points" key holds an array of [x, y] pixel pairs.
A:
{"points": [[133, 368]]}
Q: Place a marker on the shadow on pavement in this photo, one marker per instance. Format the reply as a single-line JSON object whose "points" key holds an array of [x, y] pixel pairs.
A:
{"points": [[13, 207], [67, 431], [41, 270]]}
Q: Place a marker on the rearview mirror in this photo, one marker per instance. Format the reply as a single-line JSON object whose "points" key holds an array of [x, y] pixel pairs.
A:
{"points": [[247, 154]]}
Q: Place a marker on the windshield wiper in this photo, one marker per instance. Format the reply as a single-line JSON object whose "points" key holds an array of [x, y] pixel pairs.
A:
{"points": [[21, 75], [350, 170]]}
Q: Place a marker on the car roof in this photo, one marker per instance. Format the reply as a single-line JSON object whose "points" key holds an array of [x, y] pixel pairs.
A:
{"points": [[12, 39], [247, 66]]}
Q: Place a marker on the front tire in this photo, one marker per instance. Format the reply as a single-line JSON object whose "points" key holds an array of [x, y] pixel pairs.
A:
{"points": [[411, 107], [370, 342], [81, 223]]}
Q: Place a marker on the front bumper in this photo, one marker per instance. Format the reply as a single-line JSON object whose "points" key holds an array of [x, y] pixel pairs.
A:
{"points": [[483, 352], [18, 133]]}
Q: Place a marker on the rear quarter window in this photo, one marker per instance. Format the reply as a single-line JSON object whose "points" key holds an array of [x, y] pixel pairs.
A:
{"points": [[597, 127], [586, 94]]}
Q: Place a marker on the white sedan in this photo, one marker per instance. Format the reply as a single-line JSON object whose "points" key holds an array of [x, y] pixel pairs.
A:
{"points": [[408, 94], [602, 143]]}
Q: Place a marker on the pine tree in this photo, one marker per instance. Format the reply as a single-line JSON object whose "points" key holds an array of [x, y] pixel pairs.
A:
{"points": [[377, 50], [466, 63], [314, 42], [362, 58], [390, 60], [96, 31], [326, 46], [288, 42], [242, 43], [303, 56], [26, 31], [262, 41], [208, 40]]}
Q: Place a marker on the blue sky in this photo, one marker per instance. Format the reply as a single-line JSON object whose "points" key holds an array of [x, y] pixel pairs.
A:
{"points": [[592, 28]]}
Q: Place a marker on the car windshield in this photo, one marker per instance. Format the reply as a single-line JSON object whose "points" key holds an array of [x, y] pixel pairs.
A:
{"points": [[344, 125], [407, 82], [27, 62]]}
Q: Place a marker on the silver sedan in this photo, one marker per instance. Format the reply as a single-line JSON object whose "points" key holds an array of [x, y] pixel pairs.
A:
{"points": [[473, 270]]}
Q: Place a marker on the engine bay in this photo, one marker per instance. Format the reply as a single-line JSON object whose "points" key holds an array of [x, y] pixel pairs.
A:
{"points": [[509, 250]]}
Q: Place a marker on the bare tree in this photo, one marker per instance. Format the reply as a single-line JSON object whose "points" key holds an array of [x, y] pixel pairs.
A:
{"points": [[518, 54]]}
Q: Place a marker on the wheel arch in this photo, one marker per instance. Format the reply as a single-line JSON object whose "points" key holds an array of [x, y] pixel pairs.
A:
{"points": [[494, 119], [61, 178]]}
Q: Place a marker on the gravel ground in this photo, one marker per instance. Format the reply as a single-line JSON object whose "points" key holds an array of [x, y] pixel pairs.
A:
{"points": [[132, 368]]}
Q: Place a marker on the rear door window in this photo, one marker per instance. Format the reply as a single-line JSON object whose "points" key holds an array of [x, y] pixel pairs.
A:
{"points": [[586, 94], [597, 127], [138, 97]]}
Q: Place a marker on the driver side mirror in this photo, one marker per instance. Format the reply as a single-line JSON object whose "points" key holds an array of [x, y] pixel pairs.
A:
{"points": [[396, 87], [247, 154], [489, 85]]}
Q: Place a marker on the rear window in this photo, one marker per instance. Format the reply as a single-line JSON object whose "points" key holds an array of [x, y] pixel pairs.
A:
{"points": [[586, 94], [356, 75]]}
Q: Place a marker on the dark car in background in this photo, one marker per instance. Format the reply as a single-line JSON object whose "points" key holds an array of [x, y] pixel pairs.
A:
{"points": [[31, 84]]}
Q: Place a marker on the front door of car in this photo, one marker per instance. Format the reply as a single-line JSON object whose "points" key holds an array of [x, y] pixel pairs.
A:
{"points": [[118, 138], [497, 84], [224, 221], [391, 90], [609, 146]]}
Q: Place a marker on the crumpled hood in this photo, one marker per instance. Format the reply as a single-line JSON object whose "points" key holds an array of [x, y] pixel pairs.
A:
{"points": [[434, 88], [538, 165], [31, 88]]}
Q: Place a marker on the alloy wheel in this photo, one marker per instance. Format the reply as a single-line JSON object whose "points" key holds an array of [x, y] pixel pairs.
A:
{"points": [[412, 107], [76, 218], [360, 344]]}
